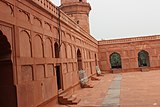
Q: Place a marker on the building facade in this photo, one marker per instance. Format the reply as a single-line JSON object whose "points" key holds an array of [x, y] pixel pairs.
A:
{"points": [[130, 54], [42, 48]]}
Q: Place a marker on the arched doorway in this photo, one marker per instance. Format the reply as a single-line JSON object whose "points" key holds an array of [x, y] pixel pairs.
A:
{"points": [[8, 90], [56, 50], [79, 60], [143, 59], [115, 60], [59, 76], [95, 59]]}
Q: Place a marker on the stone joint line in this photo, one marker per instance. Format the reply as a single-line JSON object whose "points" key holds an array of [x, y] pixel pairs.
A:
{"points": [[112, 98]]}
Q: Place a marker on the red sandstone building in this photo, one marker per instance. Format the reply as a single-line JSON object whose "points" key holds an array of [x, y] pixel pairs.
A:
{"points": [[42, 48]]}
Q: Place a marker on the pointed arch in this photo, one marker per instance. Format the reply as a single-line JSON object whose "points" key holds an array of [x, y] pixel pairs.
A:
{"points": [[8, 89], [115, 60], [63, 51], [5, 47], [38, 46], [73, 51], [95, 59], [143, 59], [48, 48], [56, 50], [69, 51], [25, 44], [79, 59]]}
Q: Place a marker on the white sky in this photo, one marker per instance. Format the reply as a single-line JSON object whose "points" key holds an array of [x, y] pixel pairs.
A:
{"points": [[110, 19]]}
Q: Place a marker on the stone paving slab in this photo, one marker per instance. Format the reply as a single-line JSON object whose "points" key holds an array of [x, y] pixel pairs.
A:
{"points": [[113, 96], [115, 85], [113, 92], [136, 89]]}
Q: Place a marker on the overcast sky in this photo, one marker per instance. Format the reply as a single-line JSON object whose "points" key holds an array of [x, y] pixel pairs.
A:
{"points": [[110, 19]]}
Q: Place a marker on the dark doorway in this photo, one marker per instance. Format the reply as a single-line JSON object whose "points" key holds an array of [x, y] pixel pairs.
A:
{"points": [[95, 60], [143, 59], [56, 50], [58, 74], [79, 60], [115, 60], [7, 88]]}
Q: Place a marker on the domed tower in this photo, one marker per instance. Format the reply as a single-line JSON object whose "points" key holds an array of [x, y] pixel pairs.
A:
{"points": [[78, 10]]}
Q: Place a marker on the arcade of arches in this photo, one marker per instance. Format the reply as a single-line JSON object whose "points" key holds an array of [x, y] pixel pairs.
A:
{"points": [[34, 66], [143, 60]]}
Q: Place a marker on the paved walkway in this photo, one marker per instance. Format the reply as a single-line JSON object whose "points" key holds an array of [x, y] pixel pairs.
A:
{"points": [[112, 98], [134, 89]]}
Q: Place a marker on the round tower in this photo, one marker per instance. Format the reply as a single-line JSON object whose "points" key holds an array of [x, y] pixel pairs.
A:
{"points": [[78, 10]]}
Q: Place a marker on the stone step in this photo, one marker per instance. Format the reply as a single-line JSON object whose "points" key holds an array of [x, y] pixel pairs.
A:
{"points": [[94, 78], [71, 98], [66, 98], [62, 95], [76, 101]]}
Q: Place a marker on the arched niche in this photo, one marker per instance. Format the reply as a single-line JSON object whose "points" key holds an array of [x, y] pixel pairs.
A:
{"points": [[56, 50], [38, 46], [63, 51], [48, 48], [25, 44], [115, 61], [79, 59], [69, 51], [143, 59]]}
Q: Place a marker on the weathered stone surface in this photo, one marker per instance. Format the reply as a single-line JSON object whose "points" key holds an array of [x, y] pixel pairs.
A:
{"points": [[46, 48]]}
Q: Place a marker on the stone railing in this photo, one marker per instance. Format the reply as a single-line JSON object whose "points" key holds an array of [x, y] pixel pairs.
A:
{"points": [[128, 40], [54, 10], [47, 5]]}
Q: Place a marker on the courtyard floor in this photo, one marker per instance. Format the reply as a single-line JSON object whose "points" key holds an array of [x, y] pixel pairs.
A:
{"points": [[134, 89]]}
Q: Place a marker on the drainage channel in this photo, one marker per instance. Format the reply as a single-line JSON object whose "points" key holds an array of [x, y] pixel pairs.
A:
{"points": [[112, 98]]}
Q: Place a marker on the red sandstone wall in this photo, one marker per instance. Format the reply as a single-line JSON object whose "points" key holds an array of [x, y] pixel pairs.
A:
{"points": [[32, 30], [69, 1], [128, 49]]}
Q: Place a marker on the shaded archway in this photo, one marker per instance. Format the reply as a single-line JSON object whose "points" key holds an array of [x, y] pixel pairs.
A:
{"points": [[56, 50], [59, 77], [7, 88], [143, 59], [95, 59], [79, 59], [115, 60]]}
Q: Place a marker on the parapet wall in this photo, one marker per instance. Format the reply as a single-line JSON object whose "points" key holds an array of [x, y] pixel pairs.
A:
{"points": [[54, 10], [128, 40]]}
